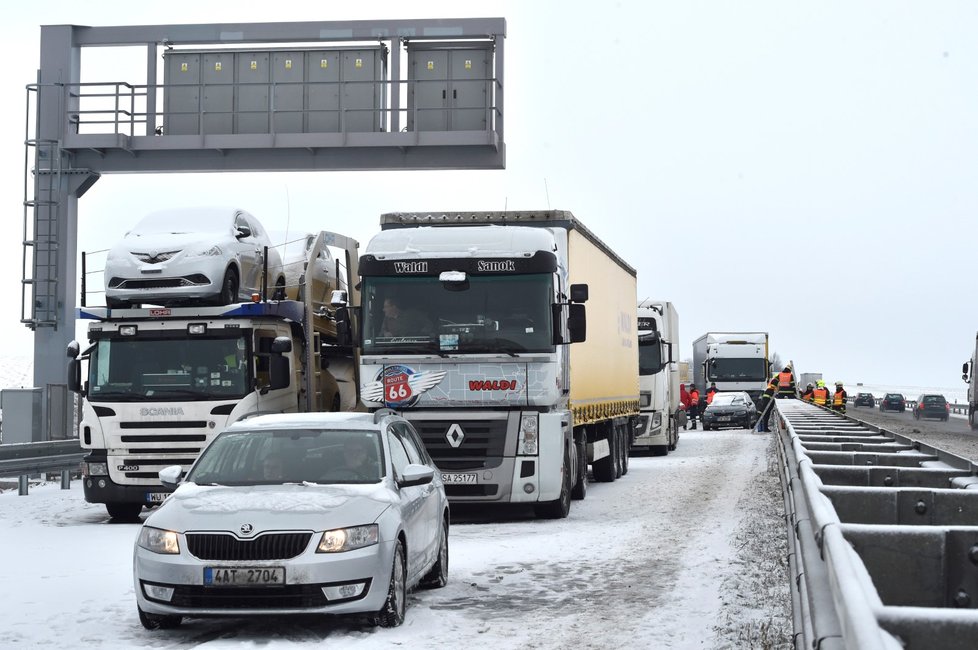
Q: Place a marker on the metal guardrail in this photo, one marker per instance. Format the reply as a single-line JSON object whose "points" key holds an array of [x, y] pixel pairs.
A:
{"points": [[883, 535], [24, 459]]}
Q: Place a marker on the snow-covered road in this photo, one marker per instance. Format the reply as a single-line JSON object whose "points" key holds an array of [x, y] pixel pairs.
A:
{"points": [[686, 551]]}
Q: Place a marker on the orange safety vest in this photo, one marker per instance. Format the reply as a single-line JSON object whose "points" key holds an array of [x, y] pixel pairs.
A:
{"points": [[694, 397], [821, 396], [808, 397], [837, 398], [709, 396], [784, 379]]}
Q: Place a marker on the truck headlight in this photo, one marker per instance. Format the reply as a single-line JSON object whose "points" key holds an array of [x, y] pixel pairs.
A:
{"points": [[348, 539], [95, 469], [529, 426], [158, 540]]}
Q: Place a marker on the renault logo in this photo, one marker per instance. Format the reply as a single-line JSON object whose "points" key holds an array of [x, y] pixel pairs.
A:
{"points": [[455, 435]]}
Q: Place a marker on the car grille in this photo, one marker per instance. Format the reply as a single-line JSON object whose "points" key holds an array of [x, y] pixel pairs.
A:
{"points": [[283, 597], [481, 448], [222, 546]]}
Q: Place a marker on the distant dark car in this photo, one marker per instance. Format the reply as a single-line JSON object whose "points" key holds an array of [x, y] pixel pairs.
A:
{"points": [[730, 409], [893, 402], [931, 406], [865, 399]]}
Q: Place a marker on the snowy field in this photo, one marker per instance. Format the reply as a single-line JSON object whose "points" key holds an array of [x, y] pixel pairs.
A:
{"points": [[686, 551]]}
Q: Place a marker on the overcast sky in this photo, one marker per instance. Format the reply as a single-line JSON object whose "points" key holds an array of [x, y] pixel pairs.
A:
{"points": [[806, 169]]}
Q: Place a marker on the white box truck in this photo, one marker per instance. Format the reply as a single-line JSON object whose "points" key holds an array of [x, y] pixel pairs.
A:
{"points": [[969, 377], [734, 360], [162, 382], [657, 426], [473, 327]]}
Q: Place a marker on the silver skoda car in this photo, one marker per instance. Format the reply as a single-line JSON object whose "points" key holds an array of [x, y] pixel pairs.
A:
{"points": [[333, 513]]}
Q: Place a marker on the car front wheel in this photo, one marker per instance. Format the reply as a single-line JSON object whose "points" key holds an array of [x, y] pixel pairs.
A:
{"points": [[229, 287], [438, 576], [392, 613]]}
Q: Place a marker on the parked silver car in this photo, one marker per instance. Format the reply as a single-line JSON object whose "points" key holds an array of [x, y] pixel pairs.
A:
{"points": [[332, 513], [192, 255]]}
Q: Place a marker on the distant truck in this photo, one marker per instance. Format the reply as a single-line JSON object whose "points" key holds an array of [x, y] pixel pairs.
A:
{"points": [[734, 360], [657, 426], [161, 382], [806, 378], [473, 327], [969, 377]]}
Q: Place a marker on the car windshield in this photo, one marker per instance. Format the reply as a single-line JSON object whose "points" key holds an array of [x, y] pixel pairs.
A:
{"points": [[490, 314], [275, 457], [729, 399], [179, 221]]}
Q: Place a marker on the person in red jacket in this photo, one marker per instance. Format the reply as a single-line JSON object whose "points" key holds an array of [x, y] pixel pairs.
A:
{"points": [[681, 418], [694, 405]]}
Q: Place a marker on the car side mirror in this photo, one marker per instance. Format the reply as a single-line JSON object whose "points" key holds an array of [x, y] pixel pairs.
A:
{"points": [[170, 476], [415, 474], [243, 231]]}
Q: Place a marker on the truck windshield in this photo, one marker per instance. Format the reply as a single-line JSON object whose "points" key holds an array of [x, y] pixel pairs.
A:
{"points": [[736, 370], [141, 368], [649, 355], [492, 313]]}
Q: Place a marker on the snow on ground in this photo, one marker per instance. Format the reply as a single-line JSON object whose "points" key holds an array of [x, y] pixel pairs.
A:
{"points": [[686, 551]]}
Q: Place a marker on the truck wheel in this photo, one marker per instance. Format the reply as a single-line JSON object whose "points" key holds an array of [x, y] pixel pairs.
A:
{"points": [[604, 469], [561, 507], [127, 512], [158, 621], [579, 490]]}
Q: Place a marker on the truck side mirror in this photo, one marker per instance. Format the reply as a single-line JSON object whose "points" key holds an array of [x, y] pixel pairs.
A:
{"points": [[578, 293], [74, 376], [345, 331], [577, 323], [279, 371], [281, 345], [964, 366], [74, 349]]}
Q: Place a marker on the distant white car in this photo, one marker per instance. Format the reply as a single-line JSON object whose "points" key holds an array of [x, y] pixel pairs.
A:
{"points": [[320, 280], [301, 513], [192, 255]]}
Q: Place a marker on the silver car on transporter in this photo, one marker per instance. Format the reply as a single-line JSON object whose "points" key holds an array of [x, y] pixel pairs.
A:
{"points": [[332, 513]]}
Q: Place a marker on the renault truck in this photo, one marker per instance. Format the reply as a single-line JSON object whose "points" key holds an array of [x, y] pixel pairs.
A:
{"points": [[660, 416], [474, 327], [159, 383], [732, 360]]}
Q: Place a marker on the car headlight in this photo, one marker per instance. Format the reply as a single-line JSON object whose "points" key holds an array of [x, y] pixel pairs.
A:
{"points": [[211, 251], [348, 539], [157, 540]]}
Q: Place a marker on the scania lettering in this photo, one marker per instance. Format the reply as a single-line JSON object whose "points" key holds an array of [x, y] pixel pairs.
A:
{"points": [[513, 387], [162, 382]]}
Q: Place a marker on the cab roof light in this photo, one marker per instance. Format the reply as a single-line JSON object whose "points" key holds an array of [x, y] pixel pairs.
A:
{"points": [[197, 328], [127, 330]]}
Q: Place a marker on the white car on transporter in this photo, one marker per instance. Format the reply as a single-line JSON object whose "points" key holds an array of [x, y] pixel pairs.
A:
{"points": [[192, 255], [312, 513]]}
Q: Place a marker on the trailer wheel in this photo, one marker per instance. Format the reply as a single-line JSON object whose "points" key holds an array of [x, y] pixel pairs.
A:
{"points": [[561, 507], [127, 512], [626, 448], [605, 468], [579, 490]]}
